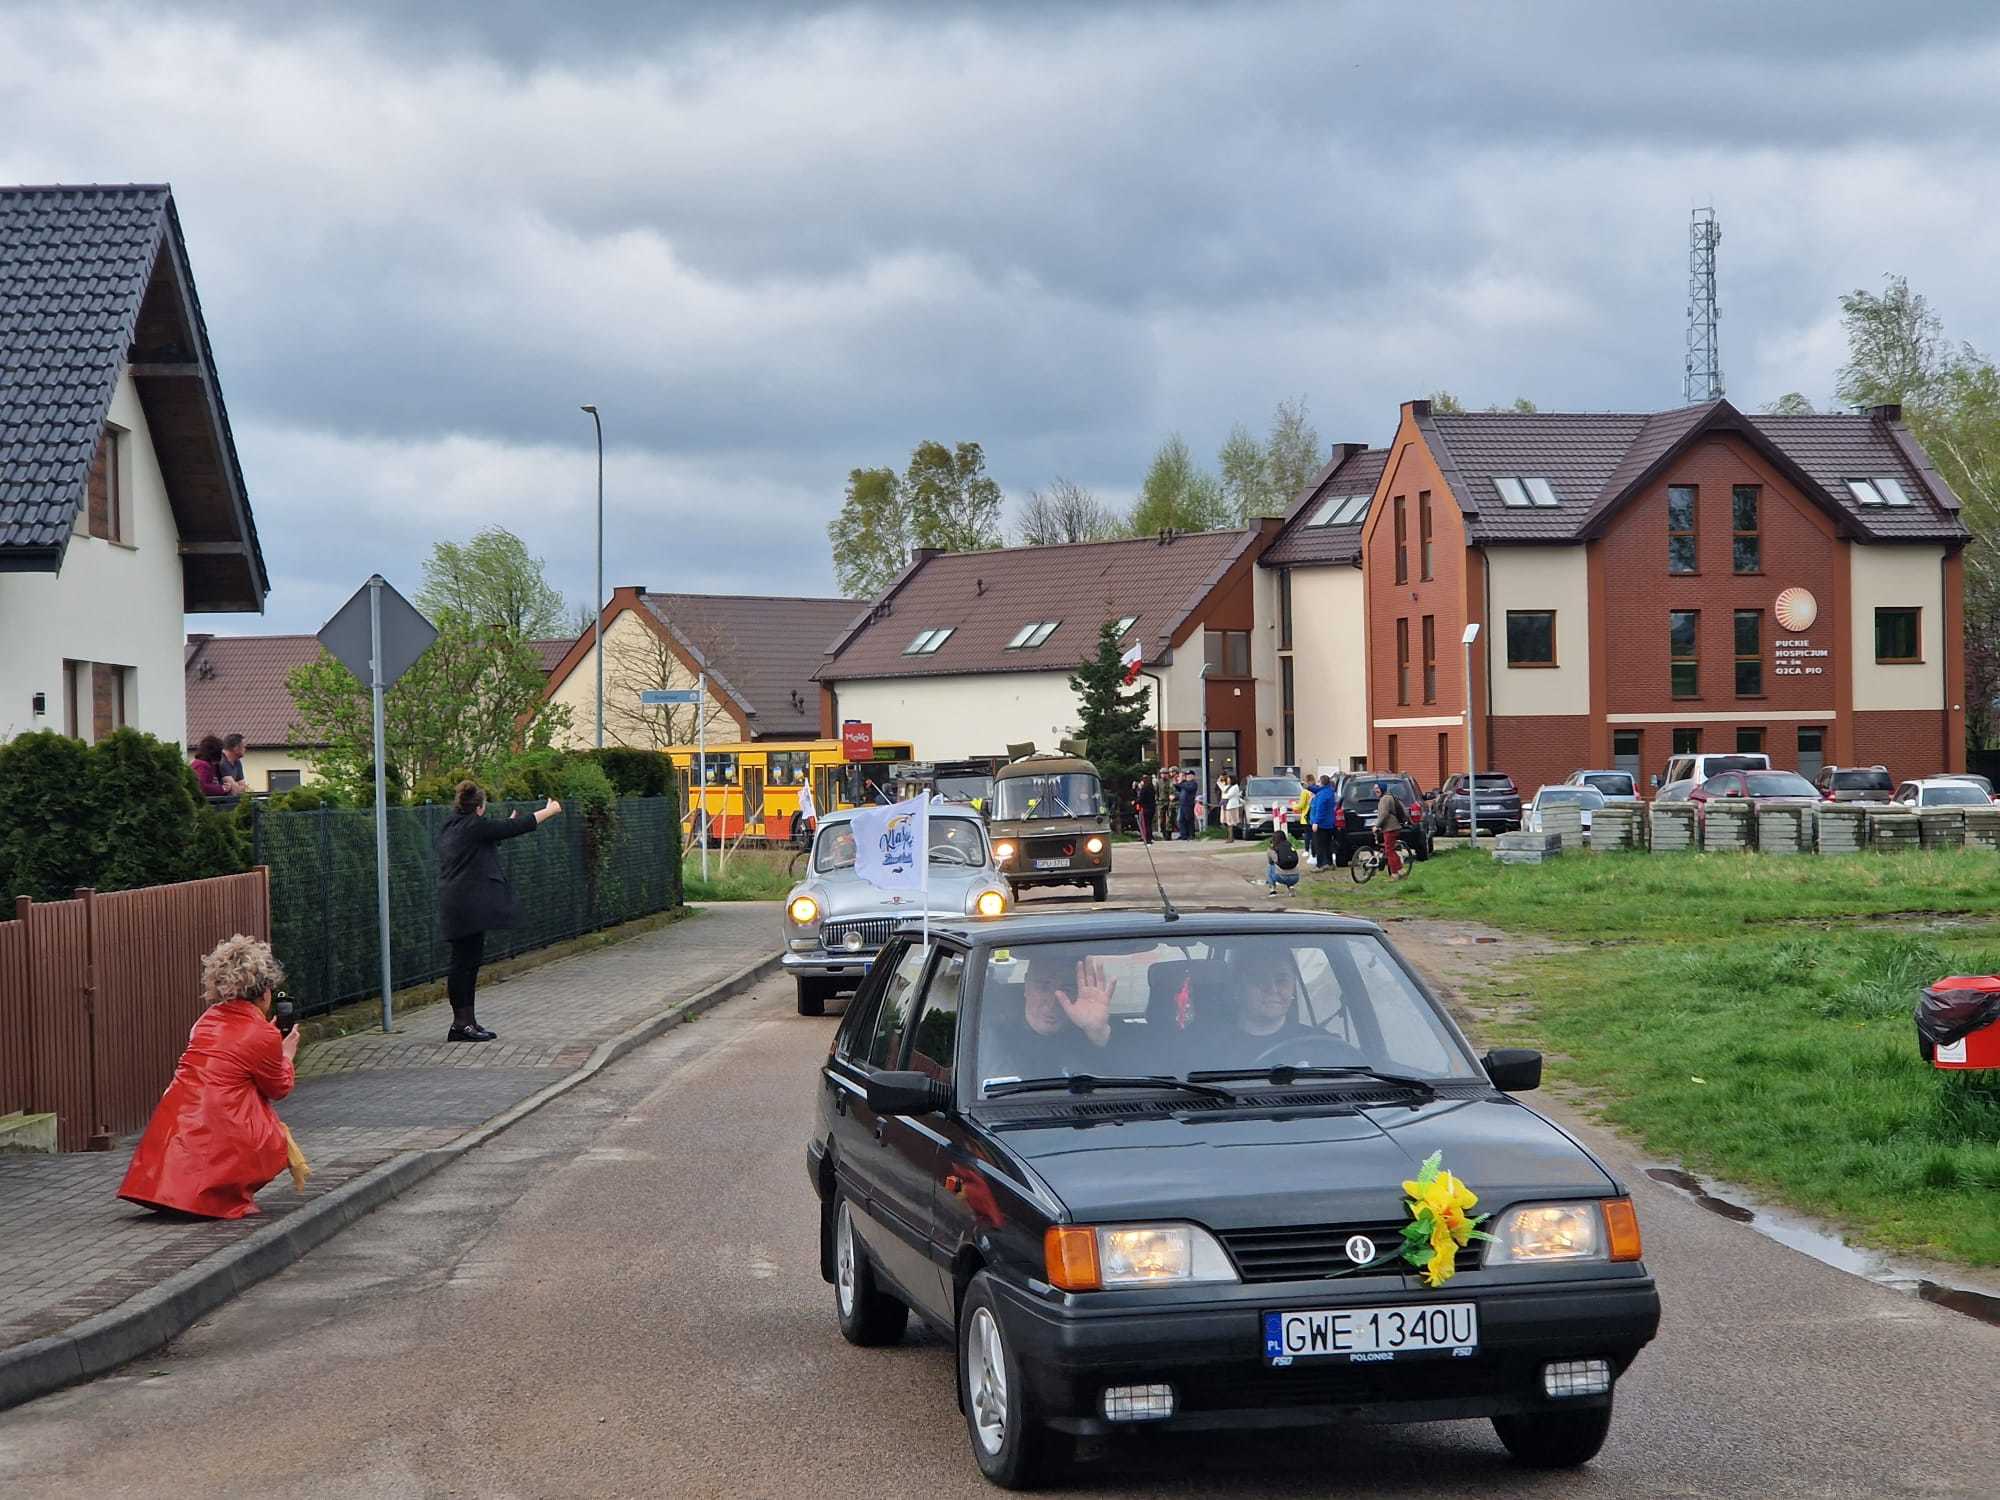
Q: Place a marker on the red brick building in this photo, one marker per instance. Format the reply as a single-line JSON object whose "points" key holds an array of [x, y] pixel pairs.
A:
{"points": [[1650, 584]]}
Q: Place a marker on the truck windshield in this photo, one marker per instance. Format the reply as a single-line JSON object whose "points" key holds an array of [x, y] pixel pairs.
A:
{"points": [[1067, 794]]}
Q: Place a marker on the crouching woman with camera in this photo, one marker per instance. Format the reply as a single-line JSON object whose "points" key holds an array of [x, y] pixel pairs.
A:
{"points": [[214, 1139]]}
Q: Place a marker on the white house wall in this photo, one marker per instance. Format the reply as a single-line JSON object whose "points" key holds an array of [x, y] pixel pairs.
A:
{"points": [[634, 660], [123, 604], [1534, 578], [955, 717], [1329, 668], [1892, 578]]}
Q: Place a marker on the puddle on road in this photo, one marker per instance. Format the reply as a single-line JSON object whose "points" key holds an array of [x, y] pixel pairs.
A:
{"points": [[1832, 1251]]}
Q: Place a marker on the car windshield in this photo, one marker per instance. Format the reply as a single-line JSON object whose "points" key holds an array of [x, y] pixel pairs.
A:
{"points": [[1717, 764], [1367, 790], [1979, 781], [1675, 791], [1067, 794], [954, 841], [1497, 784], [1779, 784], [1139, 1006], [1273, 788], [1611, 783], [1581, 796], [970, 787], [1862, 781], [1953, 794]]}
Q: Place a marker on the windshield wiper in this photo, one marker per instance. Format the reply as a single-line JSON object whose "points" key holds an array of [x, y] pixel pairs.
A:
{"points": [[1292, 1072], [1084, 1083]]}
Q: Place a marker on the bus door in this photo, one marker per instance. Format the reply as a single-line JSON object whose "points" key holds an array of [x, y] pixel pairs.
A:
{"points": [[753, 799], [827, 788]]}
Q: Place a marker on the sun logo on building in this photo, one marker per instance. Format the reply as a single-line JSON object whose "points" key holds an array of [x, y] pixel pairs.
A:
{"points": [[1797, 609]]}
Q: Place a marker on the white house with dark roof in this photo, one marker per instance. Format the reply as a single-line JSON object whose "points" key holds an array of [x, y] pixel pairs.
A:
{"points": [[122, 505]]}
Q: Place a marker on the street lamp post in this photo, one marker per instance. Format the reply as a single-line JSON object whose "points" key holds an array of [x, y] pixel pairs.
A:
{"points": [[597, 605], [1204, 752], [1471, 761]]}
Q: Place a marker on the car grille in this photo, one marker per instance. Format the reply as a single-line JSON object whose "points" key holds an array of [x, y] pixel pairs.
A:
{"points": [[1053, 846], [875, 931], [1303, 1252]]}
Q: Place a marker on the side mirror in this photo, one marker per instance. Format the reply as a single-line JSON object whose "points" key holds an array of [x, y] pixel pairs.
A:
{"points": [[921, 1094], [1514, 1070]]}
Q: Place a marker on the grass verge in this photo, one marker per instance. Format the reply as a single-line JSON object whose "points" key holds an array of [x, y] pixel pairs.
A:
{"points": [[1750, 1017], [751, 875]]}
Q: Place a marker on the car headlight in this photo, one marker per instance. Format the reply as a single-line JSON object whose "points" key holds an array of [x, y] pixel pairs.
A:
{"points": [[1088, 1258], [987, 904], [803, 911], [1536, 1233], [1094, 845], [1002, 852]]}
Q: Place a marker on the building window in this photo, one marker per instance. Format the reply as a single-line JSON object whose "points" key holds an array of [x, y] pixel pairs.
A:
{"points": [[1395, 760], [1402, 541], [1746, 543], [110, 695], [106, 488], [1221, 757], [1812, 750], [1424, 535], [1680, 529], [75, 675], [1125, 623], [1403, 659], [1027, 638], [1444, 757], [1898, 636], [1227, 652], [1430, 659], [1750, 741], [1531, 638], [1284, 609], [928, 641], [283, 781], [1287, 687], [1627, 752], [1683, 631], [1520, 490], [1749, 653], [1687, 742], [789, 767]]}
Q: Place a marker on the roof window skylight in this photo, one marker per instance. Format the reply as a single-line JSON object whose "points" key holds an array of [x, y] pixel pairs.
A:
{"points": [[1511, 492], [1033, 634], [1525, 490], [1892, 491], [1127, 623], [1539, 491], [1340, 510], [1864, 491], [928, 641], [1021, 635]]}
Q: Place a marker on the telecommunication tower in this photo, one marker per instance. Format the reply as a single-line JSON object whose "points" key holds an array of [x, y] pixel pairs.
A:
{"points": [[1703, 380]]}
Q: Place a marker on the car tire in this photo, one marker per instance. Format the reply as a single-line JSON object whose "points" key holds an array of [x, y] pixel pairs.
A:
{"points": [[868, 1316], [1555, 1439], [1342, 855], [1010, 1445], [1100, 888], [812, 996]]}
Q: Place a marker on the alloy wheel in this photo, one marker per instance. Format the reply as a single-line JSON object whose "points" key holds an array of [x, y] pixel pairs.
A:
{"points": [[843, 1261], [986, 1380]]}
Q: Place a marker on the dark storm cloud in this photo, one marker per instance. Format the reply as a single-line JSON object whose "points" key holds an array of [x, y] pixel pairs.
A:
{"points": [[775, 243]]}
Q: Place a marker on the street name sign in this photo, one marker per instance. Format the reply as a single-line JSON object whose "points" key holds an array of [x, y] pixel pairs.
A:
{"points": [[661, 697]]}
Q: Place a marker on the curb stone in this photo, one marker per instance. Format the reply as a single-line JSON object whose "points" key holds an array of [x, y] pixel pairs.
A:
{"points": [[144, 1322]]}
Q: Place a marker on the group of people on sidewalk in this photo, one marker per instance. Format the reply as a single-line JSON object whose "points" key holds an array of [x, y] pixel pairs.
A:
{"points": [[1170, 805]]}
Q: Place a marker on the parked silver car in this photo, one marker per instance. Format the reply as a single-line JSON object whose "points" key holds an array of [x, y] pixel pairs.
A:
{"points": [[835, 922], [1614, 786], [1585, 799]]}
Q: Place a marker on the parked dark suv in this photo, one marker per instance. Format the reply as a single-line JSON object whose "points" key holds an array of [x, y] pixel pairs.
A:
{"points": [[1499, 806], [1360, 793], [1856, 784]]}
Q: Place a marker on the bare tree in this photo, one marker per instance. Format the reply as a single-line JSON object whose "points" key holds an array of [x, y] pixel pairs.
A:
{"points": [[637, 661], [1065, 512]]}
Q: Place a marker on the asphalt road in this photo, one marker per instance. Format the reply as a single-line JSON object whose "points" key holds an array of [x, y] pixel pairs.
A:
{"points": [[620, 1296]]}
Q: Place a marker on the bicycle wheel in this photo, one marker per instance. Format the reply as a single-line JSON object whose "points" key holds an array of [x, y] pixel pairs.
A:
{"points": [[795, 868], [1362, 865]]}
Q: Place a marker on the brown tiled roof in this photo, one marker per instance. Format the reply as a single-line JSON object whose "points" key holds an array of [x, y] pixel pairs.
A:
{"points": [[986, 597], [764, 650], [236, 685], [1594, 461], [549, 653], [1353, 470]]}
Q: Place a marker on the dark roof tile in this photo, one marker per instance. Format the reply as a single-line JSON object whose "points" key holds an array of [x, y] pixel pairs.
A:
{"points": [[764, 649], [1301, 543]]}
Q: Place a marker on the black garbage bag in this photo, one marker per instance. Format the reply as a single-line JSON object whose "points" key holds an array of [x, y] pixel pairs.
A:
{"points": [[1955, 1008]]}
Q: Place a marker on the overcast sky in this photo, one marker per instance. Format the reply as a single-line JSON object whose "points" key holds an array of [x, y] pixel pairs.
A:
{"points": [[775, 243]]}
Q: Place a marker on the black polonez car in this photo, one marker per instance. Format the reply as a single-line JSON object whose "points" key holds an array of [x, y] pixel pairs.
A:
{"points": [[1149, 1171]]}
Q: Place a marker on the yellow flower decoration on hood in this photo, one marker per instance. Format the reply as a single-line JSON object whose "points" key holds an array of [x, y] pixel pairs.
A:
{"points": [[1440, 1222]]}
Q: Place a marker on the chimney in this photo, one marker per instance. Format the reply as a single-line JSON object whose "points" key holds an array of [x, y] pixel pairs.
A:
{"points": [[924, 554], [1889, 411], [1342, 452], [1421, 408]]}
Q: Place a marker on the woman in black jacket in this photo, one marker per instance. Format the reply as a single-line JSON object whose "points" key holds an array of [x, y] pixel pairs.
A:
{"points": [[474, 896]]}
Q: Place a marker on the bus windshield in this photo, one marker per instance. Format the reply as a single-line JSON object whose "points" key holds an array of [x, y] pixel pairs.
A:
{"points": [[1068, 794]]}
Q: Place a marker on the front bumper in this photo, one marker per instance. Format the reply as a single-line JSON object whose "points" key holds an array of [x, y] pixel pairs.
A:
{"points": [[1213, 1355], [820, 964]]}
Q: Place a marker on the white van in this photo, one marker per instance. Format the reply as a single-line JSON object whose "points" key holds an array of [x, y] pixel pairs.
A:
{"points": [[1698, 768]]}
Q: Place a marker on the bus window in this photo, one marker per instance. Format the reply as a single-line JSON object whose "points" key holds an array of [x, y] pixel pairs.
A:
{"points": [[789, 767], [720, 768]]}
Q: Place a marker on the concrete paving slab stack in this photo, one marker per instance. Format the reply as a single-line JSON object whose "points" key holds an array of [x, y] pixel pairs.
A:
{"points": [[1785, 830], [1891, 828], [1526, 848], [1619, 828], [1670, 827], [1941, 827], [1566, 823], [1728, 825], [1982, 828], [1843, 828]]}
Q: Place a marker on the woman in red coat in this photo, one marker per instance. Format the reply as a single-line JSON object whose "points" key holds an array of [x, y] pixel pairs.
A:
{"points": [[214, 1139]]}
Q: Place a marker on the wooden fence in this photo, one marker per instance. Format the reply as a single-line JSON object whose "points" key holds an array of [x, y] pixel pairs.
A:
{"points": [[97, 995]]}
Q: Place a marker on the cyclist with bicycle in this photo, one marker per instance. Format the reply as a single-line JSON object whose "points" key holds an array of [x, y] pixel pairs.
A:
{"points": [[1390, 820]]}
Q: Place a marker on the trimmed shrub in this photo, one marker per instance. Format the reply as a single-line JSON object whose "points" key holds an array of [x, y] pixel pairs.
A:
{"points": [[48, 812], [635, 773], [146, 800]]}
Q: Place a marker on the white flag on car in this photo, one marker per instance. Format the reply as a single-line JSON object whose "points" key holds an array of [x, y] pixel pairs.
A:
{"points": [[892, 844]]}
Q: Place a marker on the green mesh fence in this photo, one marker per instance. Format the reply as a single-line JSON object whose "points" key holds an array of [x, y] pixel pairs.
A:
{"points": [[573, 875]]}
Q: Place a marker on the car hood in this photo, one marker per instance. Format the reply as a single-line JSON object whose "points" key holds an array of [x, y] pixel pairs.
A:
{"points": [[843, 897], [1301, 1168]]}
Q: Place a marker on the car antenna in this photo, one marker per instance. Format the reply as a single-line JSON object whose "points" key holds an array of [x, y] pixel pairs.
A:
{"points": [[1166, 902]]}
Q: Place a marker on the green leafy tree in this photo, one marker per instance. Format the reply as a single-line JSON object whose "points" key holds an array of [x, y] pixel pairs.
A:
{"points": [[466, 705], [1245, 478], [952, 503], [871, 535], [1791, 404], [1446, 403], [494, 582], [1112, 718], [1291, 457], [49, 815], [1065, 512], [1177, 493]]}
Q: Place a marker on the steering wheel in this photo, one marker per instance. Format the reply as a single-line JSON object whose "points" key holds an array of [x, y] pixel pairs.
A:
{"points": [[958, 855], [1337, 1052]]}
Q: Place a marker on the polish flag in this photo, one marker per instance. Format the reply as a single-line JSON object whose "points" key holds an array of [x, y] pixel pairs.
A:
{"points": [[1131, 662]]}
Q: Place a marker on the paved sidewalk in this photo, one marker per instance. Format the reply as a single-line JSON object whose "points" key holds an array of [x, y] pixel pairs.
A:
{"points": [[70, 1249]]}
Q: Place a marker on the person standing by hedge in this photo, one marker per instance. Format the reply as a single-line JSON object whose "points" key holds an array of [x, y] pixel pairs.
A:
{"points": [[474, 896]]}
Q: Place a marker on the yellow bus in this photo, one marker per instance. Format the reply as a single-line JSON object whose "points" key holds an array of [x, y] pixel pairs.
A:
{"points": [[753, 785]]}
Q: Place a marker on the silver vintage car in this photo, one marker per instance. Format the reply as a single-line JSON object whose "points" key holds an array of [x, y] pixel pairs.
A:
{"points": [[835, 922]]}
